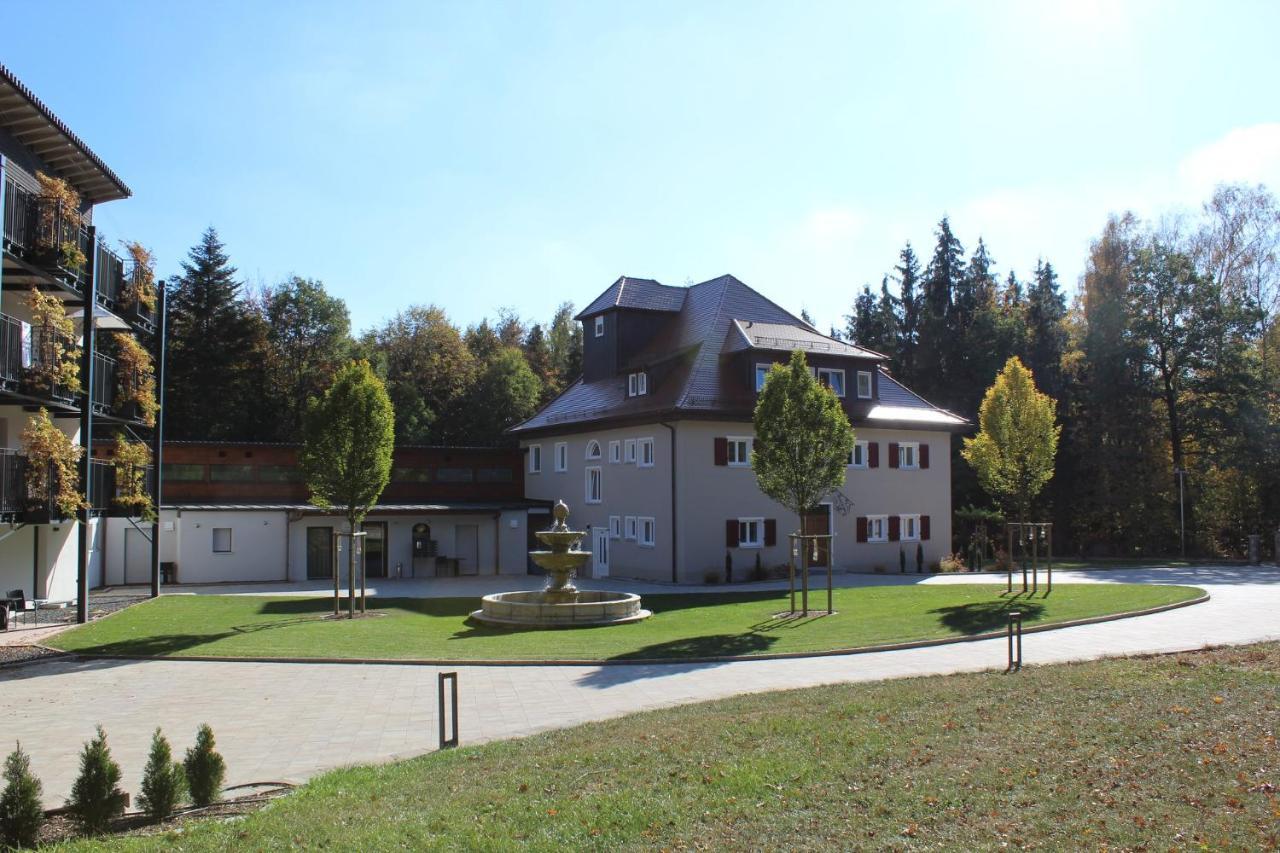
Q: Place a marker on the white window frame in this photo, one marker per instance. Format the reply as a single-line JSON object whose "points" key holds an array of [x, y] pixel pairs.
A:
{"points": [[615, 452], [590, 445], [830, 372], [535, 459], [747, 523], [599, 481], [853, 455], [644, 447], [637, 384], [760, 379], [909, 528], [647, 531], [562, 456], [629, 531], [865, 374], [599, 325], [880, 521], [914, 448], [630, 455], [733, 441], [213, 540], [615, 527]]}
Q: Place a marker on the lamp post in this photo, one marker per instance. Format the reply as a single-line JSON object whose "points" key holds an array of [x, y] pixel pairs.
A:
{"points": [[1181, 474]]}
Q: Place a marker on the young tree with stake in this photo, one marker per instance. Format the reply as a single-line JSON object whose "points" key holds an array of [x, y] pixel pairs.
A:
{"points": [[346, 455]]}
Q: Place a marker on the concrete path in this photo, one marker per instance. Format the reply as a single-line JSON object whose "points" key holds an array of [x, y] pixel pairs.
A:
{"points": [[286, 722]]}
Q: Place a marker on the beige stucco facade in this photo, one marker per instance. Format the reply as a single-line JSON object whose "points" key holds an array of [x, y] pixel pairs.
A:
{"points": [[707, 496]]}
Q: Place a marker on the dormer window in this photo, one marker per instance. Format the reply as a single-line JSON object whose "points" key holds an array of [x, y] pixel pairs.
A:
{"points": [[864, 385], [600, 326], [637, 384], [833, 378]]}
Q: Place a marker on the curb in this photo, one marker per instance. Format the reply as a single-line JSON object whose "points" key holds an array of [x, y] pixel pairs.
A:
{"points": [[861, 650]]}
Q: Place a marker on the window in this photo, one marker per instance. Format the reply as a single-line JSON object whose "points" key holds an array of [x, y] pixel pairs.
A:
{"points": [[739, 451], [858, 456], [593, 449], [600, 326], [182, 472], [631, 450], [407, 475], [495, 475], [222, 540], [762, 372], [615, 452], [454, 475], [615, 527], [877, 528], [647, 528], [910, 528], [637, 384], [864, 385], [279, 474], [908, 455], [631, 527], [562, 456], [535, 458], [645, 448], [594, 482], [750, 532], [833, 378], [230, 473]]}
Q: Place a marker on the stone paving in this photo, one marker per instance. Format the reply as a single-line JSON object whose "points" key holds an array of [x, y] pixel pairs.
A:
{"points": [[286, 722]]}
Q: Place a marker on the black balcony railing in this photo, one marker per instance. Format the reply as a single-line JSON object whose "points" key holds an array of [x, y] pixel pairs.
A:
{"points": [[11, 371], [104, 383], [13, 483], [19, 218], [102, 485], [109, 268], [62, 242]]}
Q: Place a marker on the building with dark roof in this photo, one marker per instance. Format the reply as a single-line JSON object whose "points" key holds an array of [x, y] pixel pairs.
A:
{"points": [[651, 446]]}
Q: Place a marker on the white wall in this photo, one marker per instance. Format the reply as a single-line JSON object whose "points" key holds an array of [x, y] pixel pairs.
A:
{"points": [[490, 529], [257, 546]]}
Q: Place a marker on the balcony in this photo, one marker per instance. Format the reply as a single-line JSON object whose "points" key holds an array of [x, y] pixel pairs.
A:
{"points": [[11, 336], [109, 269], [16, 501], [103, 393]]}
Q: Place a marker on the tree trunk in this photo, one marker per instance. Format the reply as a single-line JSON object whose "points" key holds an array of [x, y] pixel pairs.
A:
{"points": [[337, 576], [351, 569]]}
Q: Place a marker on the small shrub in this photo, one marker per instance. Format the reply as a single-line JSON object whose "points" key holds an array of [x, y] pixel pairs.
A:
{"points": [[163, 782], [96, 798], [205, 769], [952, 563], [919, 559], [711, 576], [902, 560], [1003, 563], [21, 815]]}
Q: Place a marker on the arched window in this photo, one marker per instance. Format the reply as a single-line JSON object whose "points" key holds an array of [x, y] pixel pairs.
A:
{"points": [[593, 449]]}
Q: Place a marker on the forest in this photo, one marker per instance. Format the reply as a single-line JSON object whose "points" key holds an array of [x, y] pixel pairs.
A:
{"points": [[1163, 360]]}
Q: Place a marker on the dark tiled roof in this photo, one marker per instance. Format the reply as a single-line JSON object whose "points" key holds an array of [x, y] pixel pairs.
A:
{"points": [[715, 318], [35, 126], [642, 294]]}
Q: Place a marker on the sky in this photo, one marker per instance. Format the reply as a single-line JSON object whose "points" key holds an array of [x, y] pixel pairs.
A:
{"points": [[493, 155]]}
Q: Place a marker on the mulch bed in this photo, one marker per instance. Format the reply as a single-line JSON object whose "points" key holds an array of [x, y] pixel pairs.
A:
{"points": [[22, 654]]}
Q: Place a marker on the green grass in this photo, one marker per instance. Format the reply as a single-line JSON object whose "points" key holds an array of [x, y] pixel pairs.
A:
{"points": [[691, 625], [1156, 753]]}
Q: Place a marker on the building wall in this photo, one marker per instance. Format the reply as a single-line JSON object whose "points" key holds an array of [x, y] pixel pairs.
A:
{"points": [[627, 490], [257, 546]]}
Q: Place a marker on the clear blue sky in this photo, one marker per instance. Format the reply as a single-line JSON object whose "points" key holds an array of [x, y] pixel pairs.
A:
{"points": [[481, 155]]}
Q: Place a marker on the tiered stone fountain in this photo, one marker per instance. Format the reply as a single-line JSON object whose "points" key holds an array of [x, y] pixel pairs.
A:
{"points": [[560, 604]]}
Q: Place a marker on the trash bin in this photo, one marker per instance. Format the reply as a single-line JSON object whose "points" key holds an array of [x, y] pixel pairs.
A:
{"points": [[168, 573]]}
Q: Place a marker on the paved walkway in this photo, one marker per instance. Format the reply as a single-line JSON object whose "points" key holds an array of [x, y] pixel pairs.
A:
{"points": [[286, 722]]}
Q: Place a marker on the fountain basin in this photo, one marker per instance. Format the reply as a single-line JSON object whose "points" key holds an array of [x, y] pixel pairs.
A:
{"points": [[531, 609]]}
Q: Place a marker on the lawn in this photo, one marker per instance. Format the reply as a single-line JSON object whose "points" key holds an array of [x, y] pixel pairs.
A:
{"points": [[683, 626], [1156, 753]]}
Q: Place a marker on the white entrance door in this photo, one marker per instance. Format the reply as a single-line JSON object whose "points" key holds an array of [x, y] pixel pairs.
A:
{"points": [[137, 556], [600, 553]]}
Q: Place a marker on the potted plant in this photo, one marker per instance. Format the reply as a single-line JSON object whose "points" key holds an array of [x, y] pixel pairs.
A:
{"points": [[55, 361], [139, 291], [131, 459], [136, 380], [52, 477]]}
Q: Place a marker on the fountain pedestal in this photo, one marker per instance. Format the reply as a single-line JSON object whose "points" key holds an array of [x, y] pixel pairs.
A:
{"points": [[560, 604]]}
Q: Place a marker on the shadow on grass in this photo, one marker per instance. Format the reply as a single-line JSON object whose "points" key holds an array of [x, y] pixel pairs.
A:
{"points": [[980, 617]]}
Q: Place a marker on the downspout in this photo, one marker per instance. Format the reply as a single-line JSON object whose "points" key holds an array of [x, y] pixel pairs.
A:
{"points": [[675, 576]]}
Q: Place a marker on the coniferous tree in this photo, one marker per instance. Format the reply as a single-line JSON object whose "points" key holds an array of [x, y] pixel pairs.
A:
{"points": [[205, 768], [164, 783], [908, 277], [565, 342], [96, 798], [1046, 337], [938, 345], [537, 352], [215, 363], [21, 814]]}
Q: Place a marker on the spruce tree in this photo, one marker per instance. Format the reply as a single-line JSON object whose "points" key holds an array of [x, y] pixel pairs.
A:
{"points": [[205, 768], [1046, 337], [937, 345], [215, 364], [96, 798], [908, 278], [21, 814], [163, 780]]}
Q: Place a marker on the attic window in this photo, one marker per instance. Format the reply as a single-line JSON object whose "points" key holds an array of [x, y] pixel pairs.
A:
{"points": [[637, 384], [600, 326]]}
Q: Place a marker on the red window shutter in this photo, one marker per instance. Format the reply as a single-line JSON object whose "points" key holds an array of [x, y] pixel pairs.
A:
{"points": [[770, 532], [893, 454], [722, 454], [924, 456], [862, 526], [895, 528], [873, 454], [924, 527], [731, 533]]}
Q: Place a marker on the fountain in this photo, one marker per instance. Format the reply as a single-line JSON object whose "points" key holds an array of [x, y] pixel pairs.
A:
{"points": [[560, 604]]}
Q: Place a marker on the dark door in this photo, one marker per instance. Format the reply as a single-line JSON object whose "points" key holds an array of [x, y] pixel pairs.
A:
{"points": [[375, 549], [319, 552], [818, 522]]}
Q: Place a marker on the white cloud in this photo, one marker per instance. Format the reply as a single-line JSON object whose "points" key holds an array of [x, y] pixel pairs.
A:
{"points": [[1246, 154], [829, 227]]}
